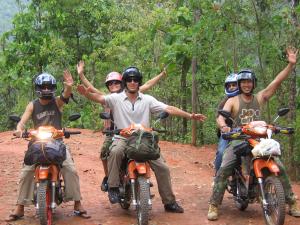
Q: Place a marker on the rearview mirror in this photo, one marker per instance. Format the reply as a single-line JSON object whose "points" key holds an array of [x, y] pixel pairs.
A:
{"points": [[163, 115], [283, 111], [15, 118], [105, 115], [74, 116]]}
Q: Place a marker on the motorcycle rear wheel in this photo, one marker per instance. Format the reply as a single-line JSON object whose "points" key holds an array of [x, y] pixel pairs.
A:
{"points": [[274, 193], [240, 203], [143, 198], [44, 200], [125, 202]]}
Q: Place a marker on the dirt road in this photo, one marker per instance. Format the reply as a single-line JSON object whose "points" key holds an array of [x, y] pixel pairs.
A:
{"points": [[191, 178]]}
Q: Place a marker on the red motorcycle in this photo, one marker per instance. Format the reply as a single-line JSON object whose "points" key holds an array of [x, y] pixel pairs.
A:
{"points": [[258, 180], [135, 175], [49, 187]]}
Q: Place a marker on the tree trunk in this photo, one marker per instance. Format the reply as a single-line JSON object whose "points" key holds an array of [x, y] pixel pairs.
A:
{"points": [[184, 70]]}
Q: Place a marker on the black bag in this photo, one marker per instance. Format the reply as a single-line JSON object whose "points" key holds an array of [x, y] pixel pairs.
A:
{"points": [[53, 152], [143, 146]]}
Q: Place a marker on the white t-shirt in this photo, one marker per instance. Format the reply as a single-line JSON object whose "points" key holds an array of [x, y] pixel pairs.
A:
{"points": [[126, 113]]}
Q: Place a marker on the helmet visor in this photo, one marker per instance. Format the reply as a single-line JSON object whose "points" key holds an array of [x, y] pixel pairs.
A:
{"points": [[245, 76]]}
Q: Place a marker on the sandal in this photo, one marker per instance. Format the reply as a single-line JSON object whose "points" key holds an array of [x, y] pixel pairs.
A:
{"points": [[13, 217], [82, 214]]}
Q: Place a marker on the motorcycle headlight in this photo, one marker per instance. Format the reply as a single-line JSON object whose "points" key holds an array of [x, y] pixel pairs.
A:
{"points": [[44, 135]]}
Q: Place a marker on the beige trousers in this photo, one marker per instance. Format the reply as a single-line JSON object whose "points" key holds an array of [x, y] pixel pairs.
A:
{"points": [[159, 166], [69, 173]]}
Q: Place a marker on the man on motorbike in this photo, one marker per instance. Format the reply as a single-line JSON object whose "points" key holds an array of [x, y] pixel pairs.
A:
{"points": [[244, 108], [113, 82], [47, 110], [128, 107], [231, 90]]}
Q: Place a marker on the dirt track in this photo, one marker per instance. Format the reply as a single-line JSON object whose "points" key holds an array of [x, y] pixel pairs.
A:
{"points": [[191, 178]]}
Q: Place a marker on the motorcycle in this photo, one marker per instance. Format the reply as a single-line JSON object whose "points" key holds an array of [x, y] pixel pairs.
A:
{"points": [[49, 186], [259, 181], [135, 175]]}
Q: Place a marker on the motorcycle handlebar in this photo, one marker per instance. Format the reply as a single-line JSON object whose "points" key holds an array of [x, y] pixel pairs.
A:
{"points": [[284, 130], [116, 131], [73, 132]]}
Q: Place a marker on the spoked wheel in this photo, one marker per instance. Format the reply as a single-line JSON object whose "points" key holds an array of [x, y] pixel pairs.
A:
{"points": [[143, 198], [274, 214], [44, 200]]}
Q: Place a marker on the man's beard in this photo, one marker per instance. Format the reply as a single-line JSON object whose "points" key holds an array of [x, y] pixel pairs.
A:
{"points": [[132, 91]]}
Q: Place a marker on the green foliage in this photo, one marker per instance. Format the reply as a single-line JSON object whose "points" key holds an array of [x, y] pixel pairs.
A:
{"points": [[112, 35]]}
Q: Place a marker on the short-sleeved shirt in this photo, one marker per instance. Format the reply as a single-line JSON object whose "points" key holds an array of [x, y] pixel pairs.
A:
{"points": [[126, 113]]}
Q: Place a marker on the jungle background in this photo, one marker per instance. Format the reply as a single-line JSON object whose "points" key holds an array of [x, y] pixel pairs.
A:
{"points": [[198, 41]]}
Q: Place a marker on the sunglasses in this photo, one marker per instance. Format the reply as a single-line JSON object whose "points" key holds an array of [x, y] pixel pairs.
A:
{"points": [[130, 79], [47, 86], [115, 82]]}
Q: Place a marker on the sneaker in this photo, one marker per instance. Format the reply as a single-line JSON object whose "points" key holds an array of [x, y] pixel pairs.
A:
{"points": [[104, 184], [294, 210], [212, 212], [113, 195], [174, 208]]}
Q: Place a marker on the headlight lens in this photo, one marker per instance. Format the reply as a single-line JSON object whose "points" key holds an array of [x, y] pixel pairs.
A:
{"points": [[44, 135]]}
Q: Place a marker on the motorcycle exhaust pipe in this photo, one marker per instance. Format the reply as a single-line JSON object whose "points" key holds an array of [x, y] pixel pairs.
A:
{"points": [[132, 185]]}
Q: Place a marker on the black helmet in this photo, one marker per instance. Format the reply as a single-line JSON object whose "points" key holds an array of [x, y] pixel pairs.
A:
{"points": [[132, 72], [246, 74], [42, 81]]}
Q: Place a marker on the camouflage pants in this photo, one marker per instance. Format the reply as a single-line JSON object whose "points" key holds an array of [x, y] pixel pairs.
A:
{"points": [[229, 162], [104, 151]]}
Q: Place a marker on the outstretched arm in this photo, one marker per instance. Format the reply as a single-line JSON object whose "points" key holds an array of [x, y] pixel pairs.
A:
{"points": [[96, 97], [172, 110], [265, 94], [150, 83], [84, 80]]}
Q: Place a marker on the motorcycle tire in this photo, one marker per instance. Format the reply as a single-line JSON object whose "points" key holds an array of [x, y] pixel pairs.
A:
{"points": [[126, 198], [274, 193], [240, 203], [143, 198], [44, 200]]}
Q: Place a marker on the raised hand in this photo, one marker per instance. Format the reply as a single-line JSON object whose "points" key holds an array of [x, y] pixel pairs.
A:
{"points": [[80, 67], [68, 79], [291, 54]]}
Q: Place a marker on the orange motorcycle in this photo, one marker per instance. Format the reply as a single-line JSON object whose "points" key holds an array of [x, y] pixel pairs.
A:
{"points": [[49, 187], [135, 174], [258, 180]]}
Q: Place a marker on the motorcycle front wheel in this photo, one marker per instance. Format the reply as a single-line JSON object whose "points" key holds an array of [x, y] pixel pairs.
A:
{"points": [[274, 213], [44, 200], [143, 198]]}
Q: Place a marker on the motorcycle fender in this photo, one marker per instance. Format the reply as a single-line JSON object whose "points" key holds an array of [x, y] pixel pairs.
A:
{"points": [[43, 173], [260, 164], [138, 168], [54, 171], [141, 168], [131, 168]]}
